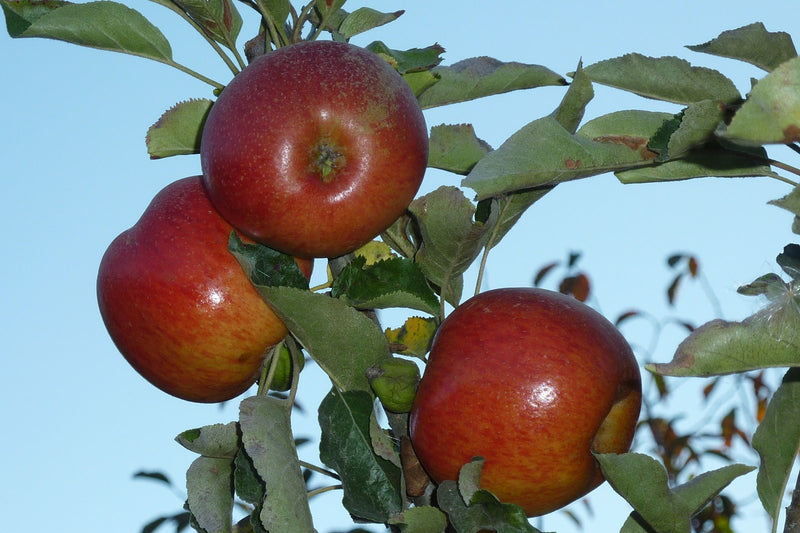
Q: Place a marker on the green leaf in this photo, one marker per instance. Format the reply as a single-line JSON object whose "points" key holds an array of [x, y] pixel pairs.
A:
{"points": [[414, 60], [420, 519], [364, 19], [451, 238], [371, 484], [483, 512], [765, 339], [570, 111], [249, 486], [642, 481], [753, 44], [455, 148], [663, 78], [698, 122], [545, 153], [343, 341], [712, 160], [420, 81], [771, 113], [105, 25], [484, 76], [393, 282], [279, 10], [219, 18], [267, 438], [777, 440], [156, 476], [210, 493], [20, 14], [179, 129], [267, 267], [790, 202], [216, 440]]}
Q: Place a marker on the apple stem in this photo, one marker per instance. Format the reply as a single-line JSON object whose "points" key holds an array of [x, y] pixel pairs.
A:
{"points": [[269, 369], [322, 490], [792, 524]]}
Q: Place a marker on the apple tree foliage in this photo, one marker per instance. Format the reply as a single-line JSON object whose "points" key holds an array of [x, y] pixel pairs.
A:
{"points": [[420, 261]]}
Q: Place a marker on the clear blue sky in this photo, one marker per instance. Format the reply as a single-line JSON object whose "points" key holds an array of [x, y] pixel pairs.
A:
{"points": [[79, 421]]}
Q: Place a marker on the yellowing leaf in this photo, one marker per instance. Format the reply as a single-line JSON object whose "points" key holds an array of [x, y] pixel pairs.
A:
{"points": [[414, 337], [375, 251]]}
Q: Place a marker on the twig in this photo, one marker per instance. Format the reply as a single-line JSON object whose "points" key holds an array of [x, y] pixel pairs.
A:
{"points": [[793, 511]]}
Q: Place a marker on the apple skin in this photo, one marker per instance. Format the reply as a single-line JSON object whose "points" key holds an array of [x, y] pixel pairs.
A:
{"points": [[314, 149], [533, 381], [178, 305]]}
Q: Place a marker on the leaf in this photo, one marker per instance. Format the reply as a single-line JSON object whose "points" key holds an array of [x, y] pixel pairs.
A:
{"points": [[570, 111], [414, 60], [392, 282], [364, 19], [420, 519], [712, 160], [210, 494], [544, 153], [20, 14], [105, 25], [777, 440], [267, 267], [663, 78], [267, 438], [642, 481], [248, 485], [698, 122], [455, 148], [451, 238], [156, 476], [216, 440], [765, 339], [483, 512], [771, 113], [484, 76], [343, 341], [219, 18], [371, 484], [509, 208], [753, 44], [179, 130], [414, 337]]}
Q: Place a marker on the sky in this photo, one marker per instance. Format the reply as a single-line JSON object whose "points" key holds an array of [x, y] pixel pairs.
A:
{"points": [[79, 421]]}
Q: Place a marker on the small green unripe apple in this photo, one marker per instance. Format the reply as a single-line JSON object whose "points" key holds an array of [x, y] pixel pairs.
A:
{"points": [[282, 379], [395, 383]]}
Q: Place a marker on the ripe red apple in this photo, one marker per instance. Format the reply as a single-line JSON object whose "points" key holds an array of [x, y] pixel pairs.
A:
{"points": [[178, 305], [314, 149], [533, 381]]}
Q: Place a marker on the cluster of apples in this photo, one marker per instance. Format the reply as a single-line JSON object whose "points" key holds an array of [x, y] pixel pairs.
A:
{"points": [[313, 150]]}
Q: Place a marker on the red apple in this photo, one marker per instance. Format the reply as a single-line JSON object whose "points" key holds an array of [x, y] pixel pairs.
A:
{"points": [[314, 149], [533, 381], [178, 305]]}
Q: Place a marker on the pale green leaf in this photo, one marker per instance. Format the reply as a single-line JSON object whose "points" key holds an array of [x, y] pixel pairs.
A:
{"points": [[420, 519], [364, 19], [455, 148], [216, 440], [179, 130], [267, 438], [753, 44], [210, 494]]}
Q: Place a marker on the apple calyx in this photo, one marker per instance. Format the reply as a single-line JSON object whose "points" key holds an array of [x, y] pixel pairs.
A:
{"points": [[327, 159]]}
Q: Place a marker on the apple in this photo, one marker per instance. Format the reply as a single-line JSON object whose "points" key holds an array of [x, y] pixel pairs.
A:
{"points": [[314, 149], [178, 305], [533, 381]]}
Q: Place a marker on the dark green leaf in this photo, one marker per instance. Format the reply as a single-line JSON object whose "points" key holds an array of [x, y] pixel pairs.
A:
{"points": [[698, 123], [371, 484], [156, 476], [484, 76], [455, 148], [216, 440], [393, 282], [20, 14], [415, 60], [484, 511], [789, 260], [664, 78], [267, 438], [210, 493], [267, 267], [451, 238], [364, 19], [777, 440], [249, 486], [105, 25], [179, 129], [771, 113], [343, 341], [753, 44], [219, 18]]}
